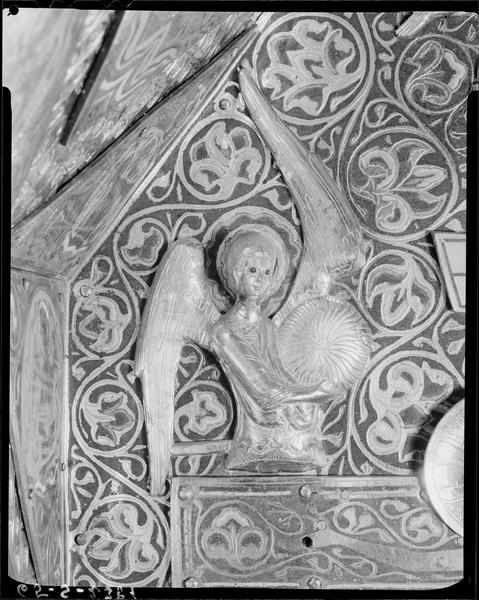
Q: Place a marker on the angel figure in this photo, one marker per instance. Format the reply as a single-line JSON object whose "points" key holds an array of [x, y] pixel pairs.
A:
{"points": [[281, 368]]}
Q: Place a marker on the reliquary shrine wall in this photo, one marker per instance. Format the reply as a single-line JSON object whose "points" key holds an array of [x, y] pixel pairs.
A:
{"points": [[49, 57], [387, 116]]}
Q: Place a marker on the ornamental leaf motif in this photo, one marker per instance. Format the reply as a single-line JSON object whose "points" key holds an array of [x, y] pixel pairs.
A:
{"points": [[438, 74], [308, 65], [234, 538], [403, 395], [104, 324], [123, 540], [109, 417], [204, 414], [409, 384], [400, 184], [358, 520], [422, 527], [403, 290], [145, 240], [222, 160]]}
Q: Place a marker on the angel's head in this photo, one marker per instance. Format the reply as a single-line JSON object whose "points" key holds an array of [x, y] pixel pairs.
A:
{"points": [[252, 262]]}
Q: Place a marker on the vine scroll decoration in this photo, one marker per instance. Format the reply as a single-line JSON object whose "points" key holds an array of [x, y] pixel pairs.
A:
{"points": [[404, 171]]}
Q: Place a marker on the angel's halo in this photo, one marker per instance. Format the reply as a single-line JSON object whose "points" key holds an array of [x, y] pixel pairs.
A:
{"points": [[242, 240], [266, 220]]}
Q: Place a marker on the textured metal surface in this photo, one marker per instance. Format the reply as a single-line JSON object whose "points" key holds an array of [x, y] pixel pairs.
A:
{"points": [[37, 417], [152, 53], [202, 187], [61, 236], [418, 20], [20, 565], [282, 370], [444, 468], [398, 153], [109, 463], [46, 55], [299, 532]]}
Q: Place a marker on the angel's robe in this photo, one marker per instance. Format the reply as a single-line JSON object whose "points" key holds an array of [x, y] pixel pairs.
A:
{"points": [[270, 436]]}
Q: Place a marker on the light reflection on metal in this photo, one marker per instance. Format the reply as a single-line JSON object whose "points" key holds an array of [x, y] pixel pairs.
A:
{"points": [[281, 370], [20, 565], [444, 468], [352, 532], [36, 416]]}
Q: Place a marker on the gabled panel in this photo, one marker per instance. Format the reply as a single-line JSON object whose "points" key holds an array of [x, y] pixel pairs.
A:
{"points": [[152, 53], [208, 174], [59, 237]]}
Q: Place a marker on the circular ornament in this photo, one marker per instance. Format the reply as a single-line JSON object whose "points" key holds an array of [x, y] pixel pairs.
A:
{"points": [[324, 340], [444, 468]]}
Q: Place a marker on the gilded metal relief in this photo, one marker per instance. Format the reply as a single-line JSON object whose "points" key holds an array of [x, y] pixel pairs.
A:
{"points": [[152, 53], [387, 119], [47, 56], [444, 468], [310, 532], [218, 177], [282, 370]]}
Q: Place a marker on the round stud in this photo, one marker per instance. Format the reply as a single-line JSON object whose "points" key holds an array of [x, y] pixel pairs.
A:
{"points": [[225, 104], [191, 582], [305, 491], [321, 525], [85, 291], [185, 493], [81, 539]]}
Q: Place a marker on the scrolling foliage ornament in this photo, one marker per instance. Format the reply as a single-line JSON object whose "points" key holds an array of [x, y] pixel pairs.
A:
{"points": [[349, 90]]}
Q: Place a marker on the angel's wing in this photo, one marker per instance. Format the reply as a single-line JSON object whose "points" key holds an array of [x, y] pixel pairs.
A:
{"points": [[179, 308], [333, 243]]}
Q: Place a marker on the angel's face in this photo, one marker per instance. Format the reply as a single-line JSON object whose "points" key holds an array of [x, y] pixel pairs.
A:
{"points": [[256, 276]]}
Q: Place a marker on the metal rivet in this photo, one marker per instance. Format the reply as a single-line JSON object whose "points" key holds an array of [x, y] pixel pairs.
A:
{"points": [[321, 524], [225, 104], [185, 493], [305, 491], [307, 541], [191, 582], [81, 539], [314, 583]]}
